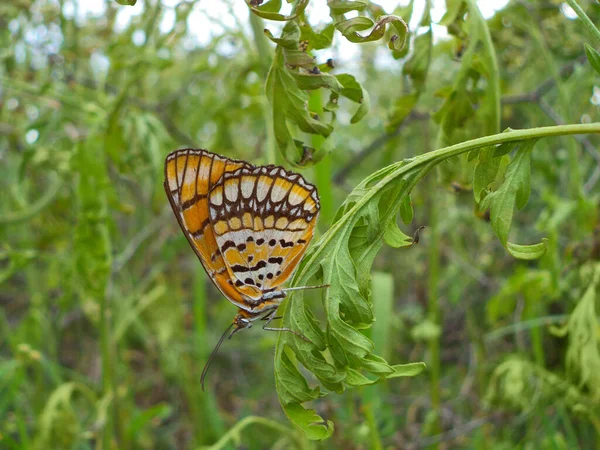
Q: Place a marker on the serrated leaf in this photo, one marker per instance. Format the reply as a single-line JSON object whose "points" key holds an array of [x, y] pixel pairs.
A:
{"points": [[309, 421], [593, 57], [342, 259], [527, 252]]}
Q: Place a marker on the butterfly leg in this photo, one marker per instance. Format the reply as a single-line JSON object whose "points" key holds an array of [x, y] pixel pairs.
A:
{"points": [[299, 288], [270, 317]]}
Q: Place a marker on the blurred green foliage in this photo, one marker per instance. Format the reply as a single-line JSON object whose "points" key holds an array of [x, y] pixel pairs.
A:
{"points": [[107, 318]]}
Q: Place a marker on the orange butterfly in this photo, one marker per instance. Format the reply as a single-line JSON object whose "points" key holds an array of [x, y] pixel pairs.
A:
{"points": [[248, 225]]}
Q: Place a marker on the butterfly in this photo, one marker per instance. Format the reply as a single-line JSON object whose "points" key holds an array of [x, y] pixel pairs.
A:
{"points": [[249, 226]]}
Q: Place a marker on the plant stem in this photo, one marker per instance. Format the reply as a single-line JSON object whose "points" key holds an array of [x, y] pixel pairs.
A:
{"points": [[494, 73], [433, 307], [585, 19], [323, 169], [235, 431]]}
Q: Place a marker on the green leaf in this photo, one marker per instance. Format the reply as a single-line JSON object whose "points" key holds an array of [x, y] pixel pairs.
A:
{"points": [[418, 64], [455, 10], [406, 210], [310, 81], [527, 252], [338, 7], [287, 40], [309, 421], [395, 238], [342, 259], [593, 57], [350, 29], [270, 6], [354, 91], [514, 190], [270, 10], [407, 370], [126, 2], [487, 169], [401, 109], [289, 102], [317, 41], [504, 149]]}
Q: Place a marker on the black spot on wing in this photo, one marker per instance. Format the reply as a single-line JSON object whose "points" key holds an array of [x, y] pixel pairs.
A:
{"points": [[227, 245], [285, 244]]}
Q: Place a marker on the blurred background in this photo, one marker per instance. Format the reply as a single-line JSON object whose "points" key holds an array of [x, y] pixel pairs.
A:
{"points": [[107, 317]]}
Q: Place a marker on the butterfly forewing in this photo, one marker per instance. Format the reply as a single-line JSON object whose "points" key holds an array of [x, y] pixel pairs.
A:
{"points": [[263, 219], [190, 175]]}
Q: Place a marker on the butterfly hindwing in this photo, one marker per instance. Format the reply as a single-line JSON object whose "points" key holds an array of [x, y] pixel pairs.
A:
{"points": [[263, 219]]}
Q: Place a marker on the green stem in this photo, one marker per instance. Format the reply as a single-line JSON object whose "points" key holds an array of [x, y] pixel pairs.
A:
{"points": [[107, 434], [234, 432], [585, 19], [265, 54], [374, 433], [434, 312], [323, 169], [264, 60], [494, 73]]}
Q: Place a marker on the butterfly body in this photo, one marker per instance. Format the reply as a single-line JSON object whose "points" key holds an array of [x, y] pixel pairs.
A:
{"points": [[249, 225]]}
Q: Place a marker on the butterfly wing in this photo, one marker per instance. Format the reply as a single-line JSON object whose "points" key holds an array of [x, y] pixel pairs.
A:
{"points": [[190, 174], [263, 219]]}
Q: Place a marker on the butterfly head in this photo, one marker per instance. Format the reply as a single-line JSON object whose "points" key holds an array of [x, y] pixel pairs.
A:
{"points": [[240, 322]]}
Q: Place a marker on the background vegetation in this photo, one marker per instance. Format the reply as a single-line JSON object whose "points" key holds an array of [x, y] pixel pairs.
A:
{"points": [[107, 317]]}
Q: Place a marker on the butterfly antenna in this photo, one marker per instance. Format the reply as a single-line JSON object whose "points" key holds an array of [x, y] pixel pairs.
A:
{"points": [[214, 354]]}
